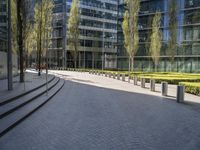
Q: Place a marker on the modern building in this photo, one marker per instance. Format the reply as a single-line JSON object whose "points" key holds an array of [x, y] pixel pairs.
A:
{"points": [[98, 34], [187, 55], [4, 41], [3, 26]]}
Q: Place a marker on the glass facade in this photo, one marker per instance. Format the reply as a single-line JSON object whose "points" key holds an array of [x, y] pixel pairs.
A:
{"points": [[98, 34], [187, 55], [3, 26]]}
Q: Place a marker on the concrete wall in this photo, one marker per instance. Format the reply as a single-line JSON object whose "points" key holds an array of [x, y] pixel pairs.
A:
{"points": [[3, 65]]}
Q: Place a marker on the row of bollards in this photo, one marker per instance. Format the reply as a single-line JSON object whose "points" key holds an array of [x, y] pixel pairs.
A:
{"points": [[164, 85]]}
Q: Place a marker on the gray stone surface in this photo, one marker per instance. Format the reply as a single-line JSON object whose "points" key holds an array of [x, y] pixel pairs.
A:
{"points": [[98, 113]]}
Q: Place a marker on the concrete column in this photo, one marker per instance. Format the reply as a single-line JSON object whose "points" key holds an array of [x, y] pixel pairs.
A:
{"points": [[180, 94]]}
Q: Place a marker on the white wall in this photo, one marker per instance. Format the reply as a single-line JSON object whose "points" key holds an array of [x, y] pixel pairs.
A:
{"points": [[3, 65]]}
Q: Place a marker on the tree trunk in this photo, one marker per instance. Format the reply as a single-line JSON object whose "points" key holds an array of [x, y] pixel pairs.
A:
{"points": [[20, 39], [155, 67], [40, 43], [129, 66], [132, 63]]}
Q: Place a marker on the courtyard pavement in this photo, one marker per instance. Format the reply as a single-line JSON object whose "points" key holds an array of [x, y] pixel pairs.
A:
{"points": [[98, 113]]}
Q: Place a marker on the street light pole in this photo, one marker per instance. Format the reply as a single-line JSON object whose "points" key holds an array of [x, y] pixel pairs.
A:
{"points": [[103, 41], [9, 53], [64, 34], [84, 47], [47, 46]]}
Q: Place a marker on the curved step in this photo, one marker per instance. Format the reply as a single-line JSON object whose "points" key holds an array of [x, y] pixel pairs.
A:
{"points": [[20, 102], [8, 100], [13, 119]]}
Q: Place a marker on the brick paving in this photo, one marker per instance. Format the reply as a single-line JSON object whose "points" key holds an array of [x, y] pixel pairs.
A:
{"points": [[98, 113]]}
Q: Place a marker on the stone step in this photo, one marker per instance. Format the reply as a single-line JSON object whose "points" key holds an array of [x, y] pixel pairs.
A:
{"points": [[12, 120], [20, 102], [16, 96]]}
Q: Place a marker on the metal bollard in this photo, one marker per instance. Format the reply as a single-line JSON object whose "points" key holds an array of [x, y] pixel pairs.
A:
{"points": [[129, 79], [110, 75], [123, 77], [114, 75], [164, 88], [152, 85], [143, 83], [118, 76], [135, 80], [180, 94]]}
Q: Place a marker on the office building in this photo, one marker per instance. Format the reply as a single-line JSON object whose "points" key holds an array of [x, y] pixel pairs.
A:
{"points": [[187, 55], [98, 34]]}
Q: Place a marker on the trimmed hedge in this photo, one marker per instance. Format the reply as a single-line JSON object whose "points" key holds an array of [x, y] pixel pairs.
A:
{"points": [[170, 77], [193, 88]]}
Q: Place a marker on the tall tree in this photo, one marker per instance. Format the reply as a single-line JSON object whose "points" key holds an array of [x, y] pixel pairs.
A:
{"points": [[172, 43], [131, 24], [22, 30], [20, 9], [73, 29], [43, 25], [126, 32], [156, 40], [14, 26]]}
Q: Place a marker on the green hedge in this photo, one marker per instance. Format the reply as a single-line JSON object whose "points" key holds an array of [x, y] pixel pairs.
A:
{"points": [[170, 77], [193, 88]]}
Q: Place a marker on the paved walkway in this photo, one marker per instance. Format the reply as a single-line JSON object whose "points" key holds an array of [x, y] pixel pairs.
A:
{"points": [[32, 80], [98, 113]]}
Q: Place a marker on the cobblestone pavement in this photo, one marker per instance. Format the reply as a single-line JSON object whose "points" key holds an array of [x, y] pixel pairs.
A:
{"points": [[96, 113]]}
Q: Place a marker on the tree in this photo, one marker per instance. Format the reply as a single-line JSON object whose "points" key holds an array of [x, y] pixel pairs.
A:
{"points": [[126, 32], [43, 26], [130, 30], [14, 26], [156, 40], [172, 43], [30, 43], [73, 29], [20, 22], [22, 17]]}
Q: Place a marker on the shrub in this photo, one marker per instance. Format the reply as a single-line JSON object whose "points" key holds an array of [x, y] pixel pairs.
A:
{"points": [[193, 88]]}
